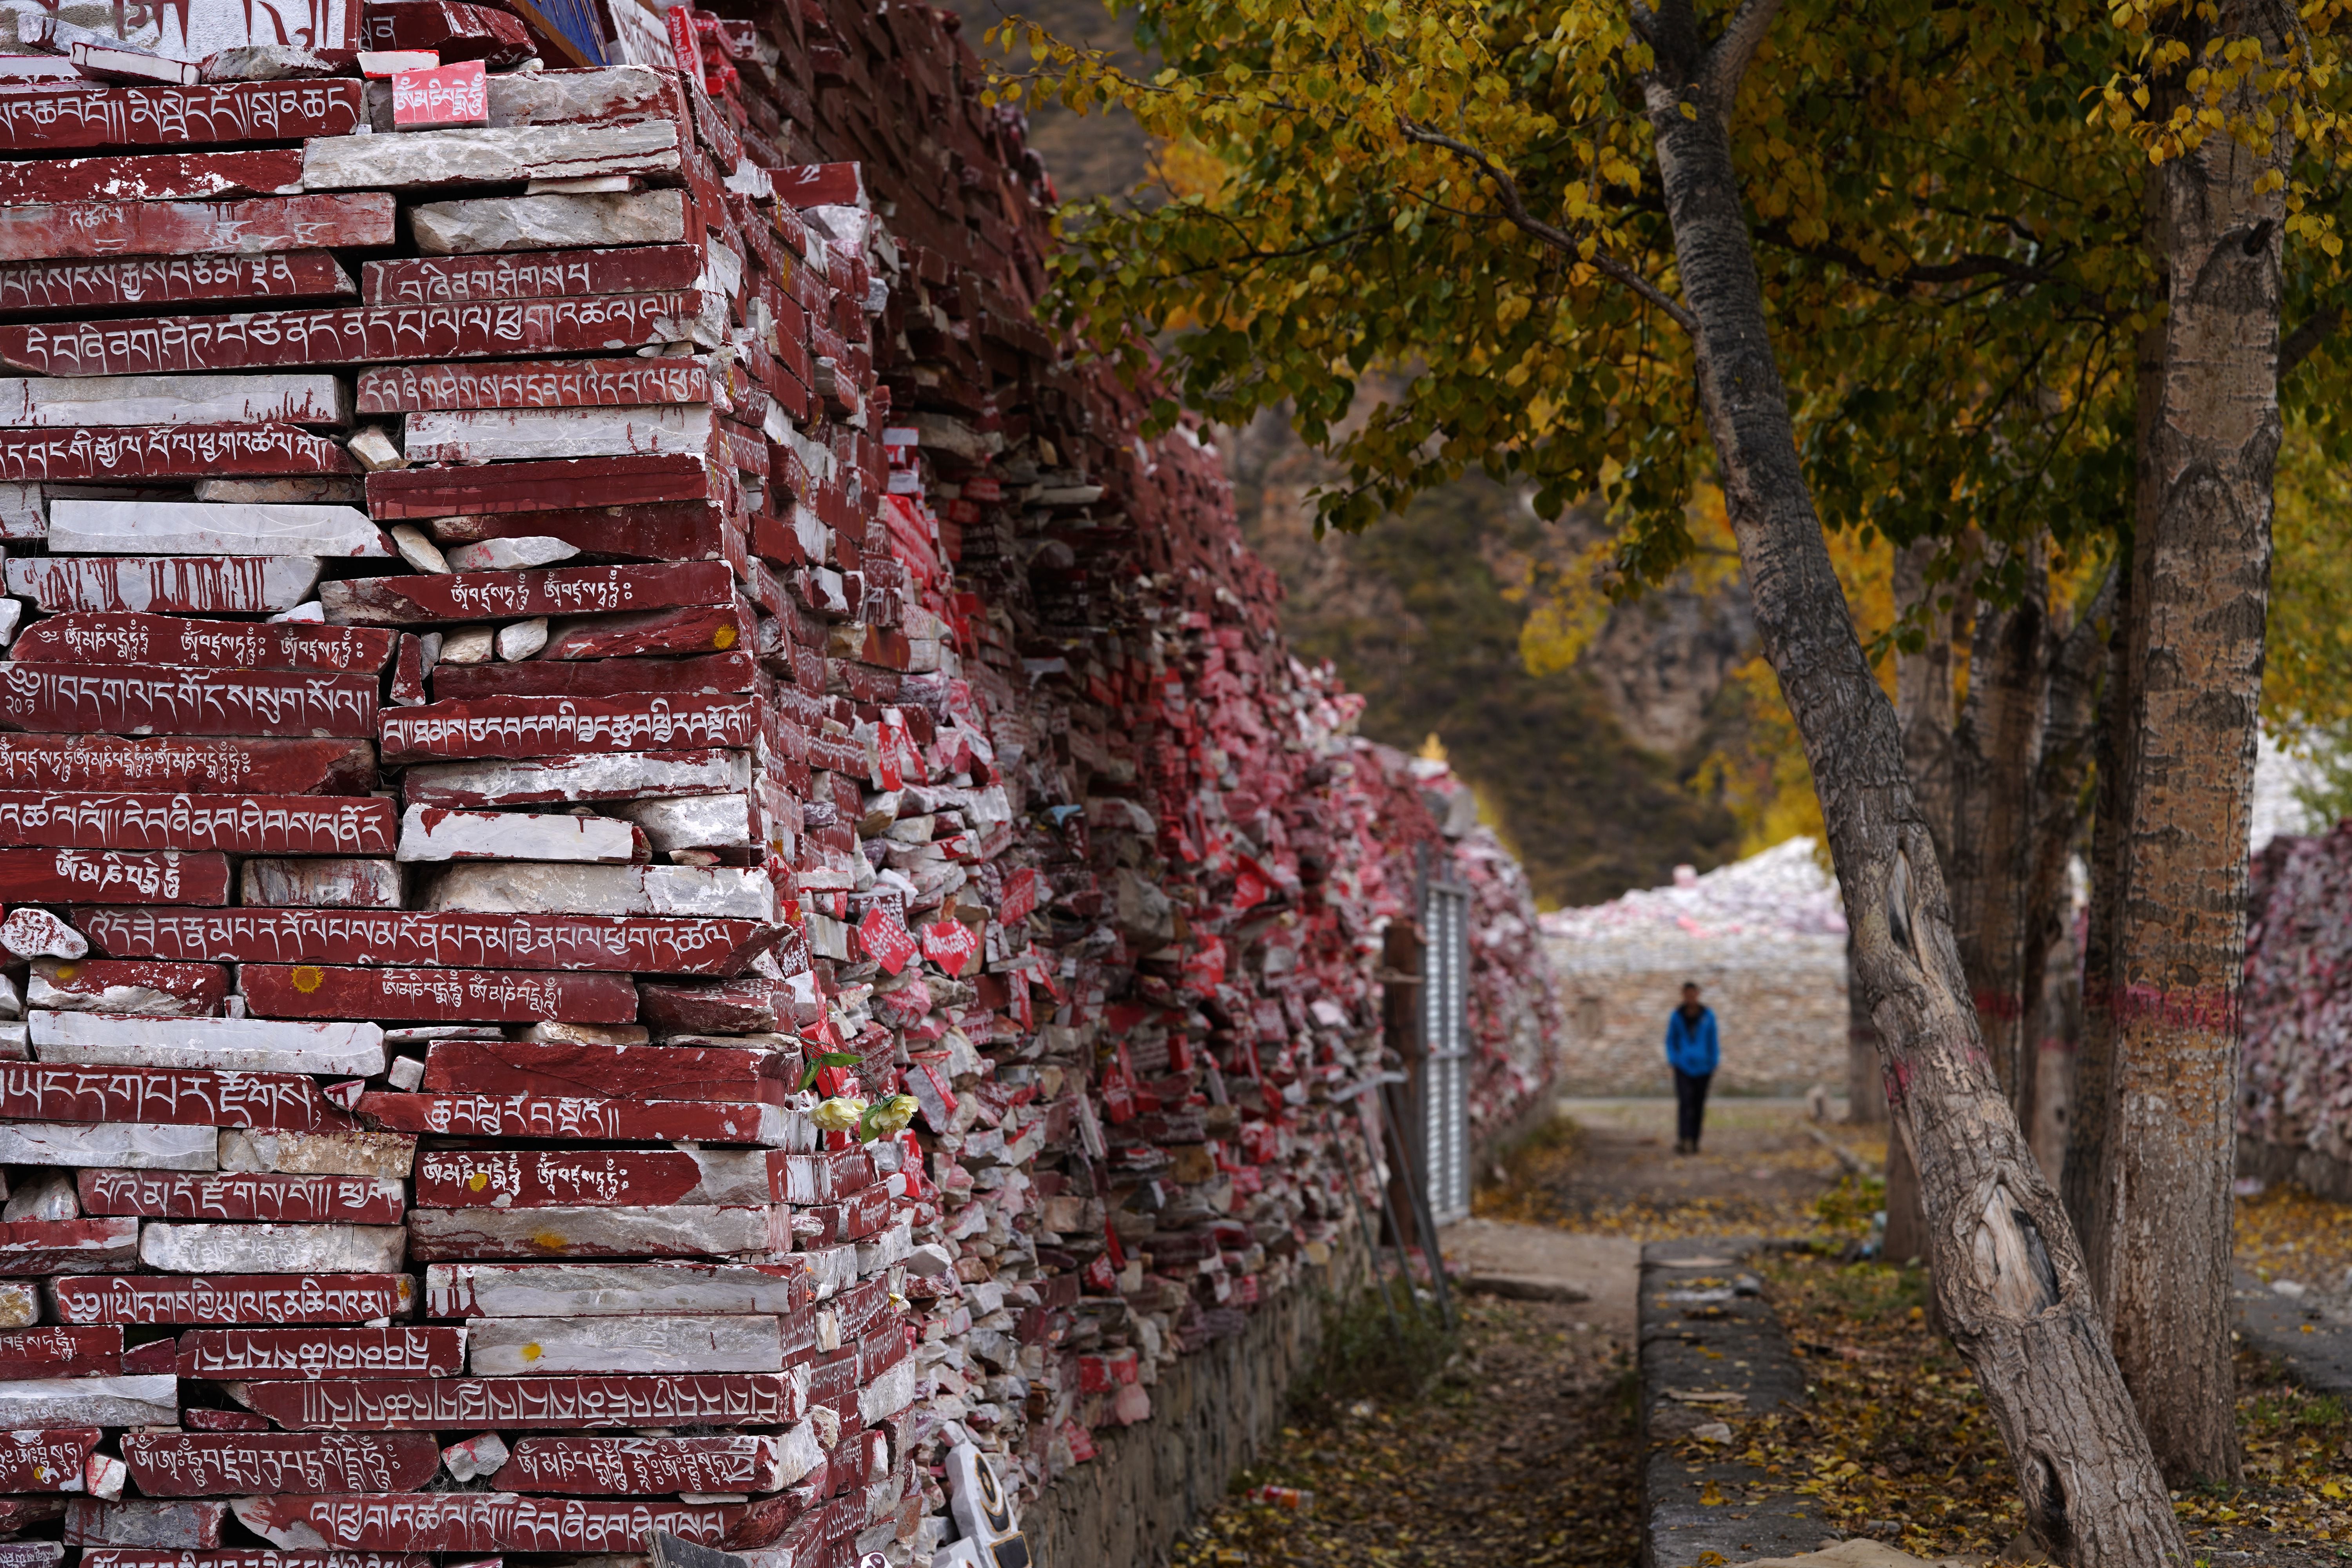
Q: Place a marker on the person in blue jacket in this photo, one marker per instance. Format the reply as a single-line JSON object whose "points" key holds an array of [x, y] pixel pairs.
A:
{"points": [[1692, 1051]]}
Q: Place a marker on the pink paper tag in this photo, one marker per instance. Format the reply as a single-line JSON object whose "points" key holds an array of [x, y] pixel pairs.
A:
{"points": [[446, 95]]}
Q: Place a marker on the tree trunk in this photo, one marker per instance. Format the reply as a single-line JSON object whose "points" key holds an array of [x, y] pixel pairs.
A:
{"points": [[2052, 997], [1994, 751], [1923, 695], [1865, 1096], [2009, 1276], [2201, 583]]}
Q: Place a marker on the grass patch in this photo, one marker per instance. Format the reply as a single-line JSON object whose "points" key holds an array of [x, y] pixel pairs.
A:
{"points": [[1380, 1346]]}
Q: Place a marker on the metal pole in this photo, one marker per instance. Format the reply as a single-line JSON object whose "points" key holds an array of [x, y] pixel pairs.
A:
{"points": [[1425, 1222]]}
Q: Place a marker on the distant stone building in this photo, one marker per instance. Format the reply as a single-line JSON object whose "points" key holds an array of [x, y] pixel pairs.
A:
{"points": [[1765, 940]]}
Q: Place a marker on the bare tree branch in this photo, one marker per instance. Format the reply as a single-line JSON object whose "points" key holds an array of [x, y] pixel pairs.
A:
{"points": [[2316, 329], [1727, 62], [1516, 209]]}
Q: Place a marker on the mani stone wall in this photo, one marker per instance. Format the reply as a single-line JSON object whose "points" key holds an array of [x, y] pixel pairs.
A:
{"points": [[548, 662]]}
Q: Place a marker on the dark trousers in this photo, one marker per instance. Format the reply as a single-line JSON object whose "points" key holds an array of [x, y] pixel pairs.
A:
{"points": [[1690, 1104]]}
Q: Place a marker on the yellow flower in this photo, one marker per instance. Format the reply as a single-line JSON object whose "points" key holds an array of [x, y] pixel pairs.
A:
{"points": [[838, 1114], [893, 1115]]}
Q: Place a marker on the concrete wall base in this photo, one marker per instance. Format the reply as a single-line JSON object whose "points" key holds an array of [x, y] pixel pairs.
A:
{"points": [[1211, 1414]]}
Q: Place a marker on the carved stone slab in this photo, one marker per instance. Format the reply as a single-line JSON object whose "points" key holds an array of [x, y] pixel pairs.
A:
{"points": [[41, 1091], [719, 1399], [510, 1347], [542, 274], [295, 398], [62, 875], [397, 1351], [234, 823], [529, 1179], [146, 1299], [83, 698], [647, 1072], [518, 727], [432, 833], [145, 1146], [456, 1235], [67, 288], [361, 1200], [577, 1119], [206, 766], [335, 1248], [457, 996], [90, 1402], [425, 160], [658, 944], [153, 177], [49, 120], [92, 638], [249, 1045], [219, 1464], [540, 383], [643, 1466], [191, 584], [556, 779], [59, 231], [494, 434]]}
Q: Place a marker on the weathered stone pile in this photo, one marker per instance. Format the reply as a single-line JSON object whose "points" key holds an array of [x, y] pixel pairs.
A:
{"points": [[655, 868], [2295, 1069]]}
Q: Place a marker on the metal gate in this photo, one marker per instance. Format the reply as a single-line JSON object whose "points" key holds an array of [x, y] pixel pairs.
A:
{"points": [[1445, 1037]]}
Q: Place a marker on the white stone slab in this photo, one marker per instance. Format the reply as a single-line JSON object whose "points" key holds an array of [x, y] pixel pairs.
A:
{"points": [[65, 402], [521, 1347], [133, 1145], [693, 821], [489, 435], [43, 992], [273, 1249], [328, 883], [604, 1290], [47, 1194], [549, 223], [736, 892], [289, 490], [91, 1402], [519, 640], [23, 515], [621, 775], [429, 834], [386, 1154], [509, 554], [195, 527], [229, 1044], [556, 98], [486, 156], [748, 1231]]}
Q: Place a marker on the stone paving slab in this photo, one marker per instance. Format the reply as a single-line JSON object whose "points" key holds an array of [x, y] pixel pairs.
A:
{"points": [[1712, 1348]]}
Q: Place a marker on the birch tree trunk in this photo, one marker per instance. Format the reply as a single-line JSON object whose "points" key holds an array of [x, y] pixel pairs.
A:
{"points": [[2202, 584], [2009, 1276]]}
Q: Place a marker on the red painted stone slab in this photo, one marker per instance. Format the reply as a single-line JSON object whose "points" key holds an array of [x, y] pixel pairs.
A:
{"points": [[168, 452], [700, 628], [61, 1353], [681, 531], [223, 1464], [555, 726], [357, 336], [489, 1521], [646, 1072], [192, 584], [49, 120], [716, 674], [239, 1557], [151, 177], [234, 823], [177, 1097], [151, 1298], [243, 1195], [556, 485], [641, 1467], [476, 1404], [549, 1116], [456, 996], [68, 876], [121, 638], [626, 944], [534, 383], [82, 699], [48, 1461], [74, 231], [178, 762], [541, 1178], [456, 598], [66, 1246], [441, 96], [277, 1354], [531, 274], [43, 287], [200, 988]]}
